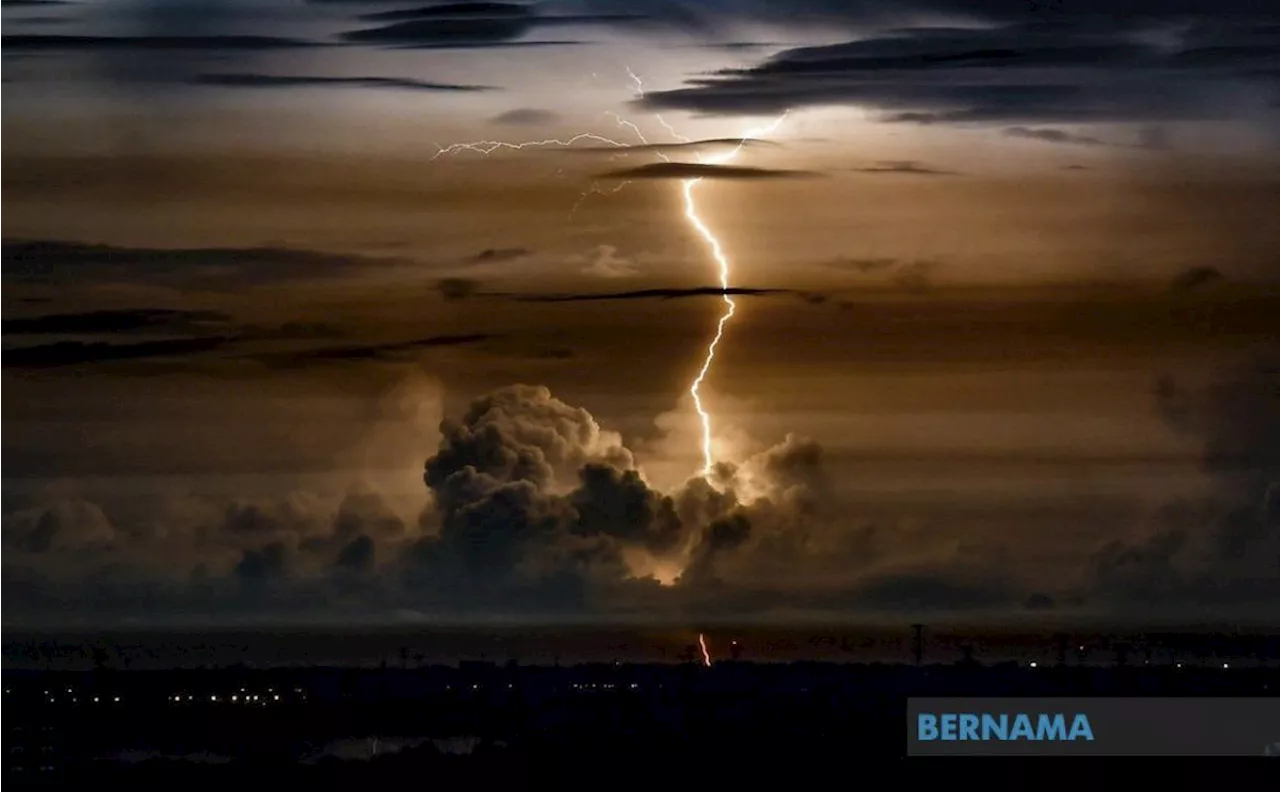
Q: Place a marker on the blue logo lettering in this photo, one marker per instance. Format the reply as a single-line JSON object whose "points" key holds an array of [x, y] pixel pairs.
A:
{"points": [[1022, 728], [949, 726], [927, 726], [953, 726], [993, 728], [1080, 728], [1051, 727]]}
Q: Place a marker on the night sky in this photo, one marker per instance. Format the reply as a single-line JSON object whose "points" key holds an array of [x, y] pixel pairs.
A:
{"points": [[278, 350]]}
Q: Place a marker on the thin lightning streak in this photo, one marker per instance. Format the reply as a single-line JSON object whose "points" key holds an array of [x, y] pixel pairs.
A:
{"points": [[487, 147], [595, 190], [706, 656], [657, 117]]}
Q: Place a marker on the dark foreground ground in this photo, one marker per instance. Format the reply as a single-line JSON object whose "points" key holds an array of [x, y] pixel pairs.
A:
{"points": [[486, 723]]}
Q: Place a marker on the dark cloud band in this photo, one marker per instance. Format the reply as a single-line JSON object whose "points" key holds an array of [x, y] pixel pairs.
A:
{"points": [[691, 170], [651, 294], [279, 81], [1022, 71]]}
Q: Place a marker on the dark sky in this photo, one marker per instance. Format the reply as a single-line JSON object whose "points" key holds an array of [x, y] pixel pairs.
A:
{"points": [[1004, 338]]}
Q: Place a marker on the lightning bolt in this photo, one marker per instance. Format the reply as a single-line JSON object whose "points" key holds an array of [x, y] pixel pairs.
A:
{"points": [[487, 147], [722, 262], [706, 656]]}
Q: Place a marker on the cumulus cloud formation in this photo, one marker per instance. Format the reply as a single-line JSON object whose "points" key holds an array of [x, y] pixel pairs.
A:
{"points": [[534, 497], [529, 506], [503, 483], [532, 508], [521, 433]]}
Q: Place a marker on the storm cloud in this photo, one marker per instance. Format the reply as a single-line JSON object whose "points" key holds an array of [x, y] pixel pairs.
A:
{"points": [[529, 506], [1222, 550], [1020, 67]]}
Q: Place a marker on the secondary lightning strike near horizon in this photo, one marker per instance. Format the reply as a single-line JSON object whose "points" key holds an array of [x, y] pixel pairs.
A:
{"points": [[486, 147], [706, 656]]}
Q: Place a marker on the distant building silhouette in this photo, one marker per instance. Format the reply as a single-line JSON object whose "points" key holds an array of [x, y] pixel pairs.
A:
{"points": [[1063, 642], [918, 642], [1121, 653], [251, 719]]}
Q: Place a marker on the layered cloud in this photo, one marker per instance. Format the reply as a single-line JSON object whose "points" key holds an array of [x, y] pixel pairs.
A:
{"points": [[923, 60], [530, 506], [1013, 66], [1223, 550], [252, 80], [58, 262], [650, 294]]}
